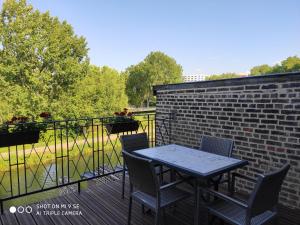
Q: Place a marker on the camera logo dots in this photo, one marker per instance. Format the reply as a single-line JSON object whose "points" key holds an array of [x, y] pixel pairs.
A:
{"points": [[12, 209], [20, 209]]}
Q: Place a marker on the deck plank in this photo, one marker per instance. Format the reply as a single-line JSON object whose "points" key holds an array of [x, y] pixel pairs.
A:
{"points": [[119, 206], [25, 218], [40, 219], [88, 212], [58, 220], [74, 220], [9, 218], [101, 204]]}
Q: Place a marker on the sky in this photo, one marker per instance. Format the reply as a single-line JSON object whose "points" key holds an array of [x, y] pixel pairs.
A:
{"points": [[204, 36]]}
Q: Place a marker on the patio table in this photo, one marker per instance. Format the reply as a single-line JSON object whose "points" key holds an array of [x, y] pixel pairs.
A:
{"points": [[196, 163]]}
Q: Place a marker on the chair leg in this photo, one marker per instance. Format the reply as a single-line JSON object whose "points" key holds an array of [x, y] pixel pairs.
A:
{"points": [[164, 216], [129, 210], [143, 209], [157, 217], [211, 220], [229, 182], [222, 222], [123, 183]]}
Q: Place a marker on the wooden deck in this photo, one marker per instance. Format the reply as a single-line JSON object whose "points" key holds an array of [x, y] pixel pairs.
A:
{"points": [[101, 203]]}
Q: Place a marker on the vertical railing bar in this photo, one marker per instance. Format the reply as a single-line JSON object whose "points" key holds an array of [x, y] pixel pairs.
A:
{"points": [[18, 172], [153, 127], [25, 171], [68, 156], [9, 161], [93, 146], [55, 152], [155, 134], [148, 126], [98, 150], [62, 156], [102, 137]]}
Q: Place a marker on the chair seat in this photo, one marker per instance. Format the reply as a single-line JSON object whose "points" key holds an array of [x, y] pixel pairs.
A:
{"points": [[236, 215], [168, 197]]}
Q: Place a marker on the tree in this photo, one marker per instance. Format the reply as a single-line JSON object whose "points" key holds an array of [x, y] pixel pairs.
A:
{"points": [[291, 64], [222, 76], [262, 69], [100, 93], [157, 68], [40, 57]]}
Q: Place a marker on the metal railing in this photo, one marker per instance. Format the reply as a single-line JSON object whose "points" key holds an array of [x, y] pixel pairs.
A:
{"points": [[70, 152]]}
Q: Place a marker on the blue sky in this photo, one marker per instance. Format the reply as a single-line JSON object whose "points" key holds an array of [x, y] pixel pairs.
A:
{"points": [[211, 36]]}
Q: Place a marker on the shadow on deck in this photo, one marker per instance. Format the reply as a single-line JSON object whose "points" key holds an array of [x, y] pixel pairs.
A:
{"points": [[101, 203]]}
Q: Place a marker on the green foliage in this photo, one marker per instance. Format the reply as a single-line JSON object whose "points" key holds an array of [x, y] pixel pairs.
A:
{"points": [[263, 69], [100, 93], [222, 76], [291, 64], [157, 68], [40, 59]]}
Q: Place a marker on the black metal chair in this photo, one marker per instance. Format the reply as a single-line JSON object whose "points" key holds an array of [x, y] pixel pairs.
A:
{"points": [[129, 144], [219, 146], [145, 187], [259, 209]]}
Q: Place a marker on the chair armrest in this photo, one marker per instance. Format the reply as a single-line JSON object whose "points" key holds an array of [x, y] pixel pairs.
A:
{"points": [[243, 177], [227, 198]]}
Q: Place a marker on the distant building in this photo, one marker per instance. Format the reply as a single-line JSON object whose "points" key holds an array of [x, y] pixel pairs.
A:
{"points": [[194, 78]]}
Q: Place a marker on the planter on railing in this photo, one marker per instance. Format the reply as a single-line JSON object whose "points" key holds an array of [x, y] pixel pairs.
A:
{"points": [[114, 128], [19, 138]]}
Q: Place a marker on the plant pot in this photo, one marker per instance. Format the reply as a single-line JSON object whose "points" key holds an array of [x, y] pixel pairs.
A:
{"points": [[114, 128], [19, 138]]}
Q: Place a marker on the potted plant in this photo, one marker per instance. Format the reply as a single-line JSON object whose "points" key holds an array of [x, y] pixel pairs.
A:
{"points": [[122, 122], [20, 130]]}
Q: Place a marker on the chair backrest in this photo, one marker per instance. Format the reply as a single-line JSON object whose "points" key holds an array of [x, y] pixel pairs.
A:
{"points": [[266, 191], [141, 174], [134, 142], [219, 146]]}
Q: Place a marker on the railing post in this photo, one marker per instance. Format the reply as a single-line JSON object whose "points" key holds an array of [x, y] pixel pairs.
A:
{"points": [[78, 187], [2, 207]]}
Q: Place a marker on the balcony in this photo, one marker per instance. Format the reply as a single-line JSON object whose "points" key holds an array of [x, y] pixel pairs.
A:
{"points": [[81, 170]]}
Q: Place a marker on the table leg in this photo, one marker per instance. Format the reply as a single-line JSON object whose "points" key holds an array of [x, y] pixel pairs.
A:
{"points": [[197, 202], [199, 205]]}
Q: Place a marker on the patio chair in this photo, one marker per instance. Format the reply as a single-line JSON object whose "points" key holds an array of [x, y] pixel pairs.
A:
{"points": [[219, 146], [129, 144], [261, 206], [145, 187]]}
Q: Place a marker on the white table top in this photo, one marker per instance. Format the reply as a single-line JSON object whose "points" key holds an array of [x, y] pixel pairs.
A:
{"points": [[191, 160]]}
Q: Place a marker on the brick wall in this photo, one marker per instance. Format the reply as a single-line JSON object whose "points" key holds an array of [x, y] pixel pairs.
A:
{"points": [[261, 114]]}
